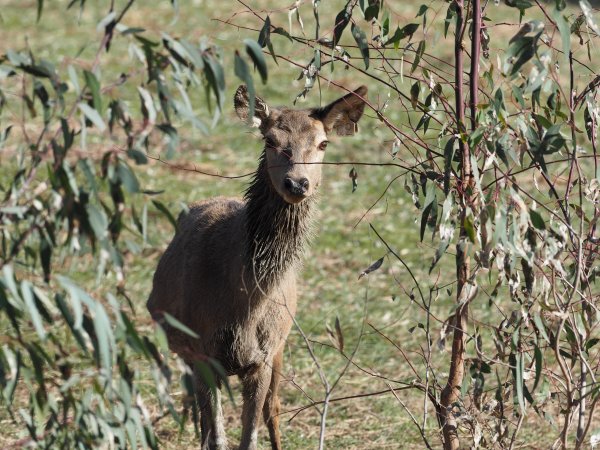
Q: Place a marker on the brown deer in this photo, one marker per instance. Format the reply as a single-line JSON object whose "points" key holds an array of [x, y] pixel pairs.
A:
{"points": [[230, 272]]}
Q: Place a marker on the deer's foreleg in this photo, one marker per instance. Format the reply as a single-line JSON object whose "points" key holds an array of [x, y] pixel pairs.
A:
{"points": [[272, 406], [255, 387]]}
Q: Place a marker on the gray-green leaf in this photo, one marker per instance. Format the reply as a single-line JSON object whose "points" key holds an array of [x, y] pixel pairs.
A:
{"points": [[255, 52], [92, 115], [361, 41]]}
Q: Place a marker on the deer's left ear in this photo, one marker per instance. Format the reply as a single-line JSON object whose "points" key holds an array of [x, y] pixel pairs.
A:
{"points": [[241, 102], [342, 115]]}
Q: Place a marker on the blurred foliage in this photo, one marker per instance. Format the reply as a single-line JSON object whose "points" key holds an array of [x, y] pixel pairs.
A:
{"points": [[67, 196]]}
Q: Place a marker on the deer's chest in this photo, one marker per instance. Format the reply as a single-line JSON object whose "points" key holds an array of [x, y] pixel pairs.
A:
{"points": [[242, 346]]}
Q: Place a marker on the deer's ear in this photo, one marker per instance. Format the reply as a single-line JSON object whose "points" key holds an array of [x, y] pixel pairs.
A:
{"points": [[342, 116], [242, 101]]}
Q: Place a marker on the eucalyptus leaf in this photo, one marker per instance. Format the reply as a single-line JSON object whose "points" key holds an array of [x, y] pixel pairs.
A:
{"points": [[565, 33], [98, 221], [28, 298], [255, 52], [243, 73], [373, 267], [94, 86], [588, 12], [361, 41], [93, 115], [163, 209], [180, 326], [402, 33]]}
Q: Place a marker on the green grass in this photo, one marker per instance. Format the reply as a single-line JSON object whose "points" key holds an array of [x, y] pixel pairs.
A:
{"points": [[341, 249]]}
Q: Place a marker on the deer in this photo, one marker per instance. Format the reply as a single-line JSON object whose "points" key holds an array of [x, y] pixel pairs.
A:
{"points": [[229, 274]]}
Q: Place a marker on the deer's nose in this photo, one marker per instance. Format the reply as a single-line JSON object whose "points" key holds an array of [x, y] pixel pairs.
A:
{"points": [[296, 187]]}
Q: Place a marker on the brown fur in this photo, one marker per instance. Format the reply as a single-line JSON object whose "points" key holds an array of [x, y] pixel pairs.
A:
{"points": [[230, 272]]}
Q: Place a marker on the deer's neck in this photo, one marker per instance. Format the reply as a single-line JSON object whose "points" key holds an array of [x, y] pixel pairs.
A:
{"points": [[276, 230]]}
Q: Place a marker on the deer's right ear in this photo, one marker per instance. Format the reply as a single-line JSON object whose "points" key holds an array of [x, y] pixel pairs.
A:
{"points": [[242, 102], [342, 116]]}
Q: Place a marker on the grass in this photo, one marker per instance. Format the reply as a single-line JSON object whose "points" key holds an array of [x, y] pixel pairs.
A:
{"points": [[343, 247]]}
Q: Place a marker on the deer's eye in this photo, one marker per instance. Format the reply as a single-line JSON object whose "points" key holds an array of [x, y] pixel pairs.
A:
{"points": [[323, 145]]}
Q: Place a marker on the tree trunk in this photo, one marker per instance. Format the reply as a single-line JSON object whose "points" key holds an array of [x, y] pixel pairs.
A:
{"points": [[451, 393]]}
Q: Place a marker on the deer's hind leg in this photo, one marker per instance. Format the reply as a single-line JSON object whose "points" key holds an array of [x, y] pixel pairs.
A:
{"points": [[211, 414], [272, 405]]}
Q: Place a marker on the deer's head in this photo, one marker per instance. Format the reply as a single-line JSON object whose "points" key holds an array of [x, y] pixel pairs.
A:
{"points": [[295, 139]]}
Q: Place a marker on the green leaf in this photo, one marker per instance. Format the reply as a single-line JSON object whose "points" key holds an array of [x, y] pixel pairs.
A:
{"points": [[539, 359], [338, 333], [518, 93], [521, 5], [589, 344], [341, 22], [147, 103], [519, 380], [138, 156], [450, 14], [402, 33], [87, 167], [565, 33], [588, 12], [385, 26], [537, 220], [183, 52], [181, 327], [28, 298], [104, 337], [361, 41], [444, 243], [171, 137], [523, 46], [372, 12], [40, 9], [264, 38], [552, 141], [215, 77], [541, 327], [145, 222], [71, 322], [373, 267], [242, 71], [45, 256], [449, 150], [94, 86], [283, 32], [163, 209], [469, 228], [127, 177], [414, 94], [255, 52], [265, 33], [424, 220], [98, 221], [92, 115], [14, 362], [353, 175], [4, 135], [446, 230], [428, 210], [418, 54]]}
